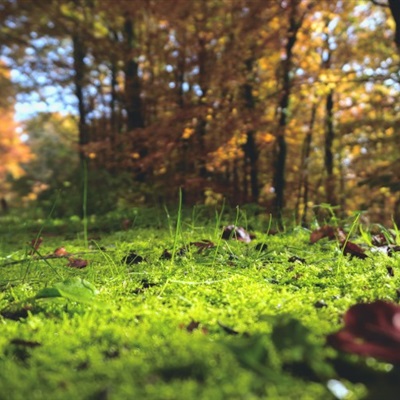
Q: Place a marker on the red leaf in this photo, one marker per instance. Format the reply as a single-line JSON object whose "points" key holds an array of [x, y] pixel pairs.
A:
{"points": [[371, 330], [203, 245], [328, 231], [60, 252], [35, 244], [354, 250], [77, 263]]}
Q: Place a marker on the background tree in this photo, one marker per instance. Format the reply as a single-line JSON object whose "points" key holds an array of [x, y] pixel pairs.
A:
{"points": [[283, 104]]}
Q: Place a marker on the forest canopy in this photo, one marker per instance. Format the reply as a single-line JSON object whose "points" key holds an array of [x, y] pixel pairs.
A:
{"points": [[288, 104]]}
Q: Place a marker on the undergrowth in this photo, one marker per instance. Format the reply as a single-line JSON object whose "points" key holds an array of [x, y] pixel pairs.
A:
{"points": [[167, 309]]}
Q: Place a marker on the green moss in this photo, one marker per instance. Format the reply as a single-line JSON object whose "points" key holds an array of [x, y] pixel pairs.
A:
{"points": [[234, 321]]}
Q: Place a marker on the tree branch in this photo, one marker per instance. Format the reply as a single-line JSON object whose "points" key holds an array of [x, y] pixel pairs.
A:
{"points": [[378, 3]]}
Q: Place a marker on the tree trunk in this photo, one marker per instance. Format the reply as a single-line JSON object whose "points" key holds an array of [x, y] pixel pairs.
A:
{"points": [[302, 196], [79, 53], [250, 147], [202, 123], [133, 101], [329, 154], [281, 147], [394, 6]]}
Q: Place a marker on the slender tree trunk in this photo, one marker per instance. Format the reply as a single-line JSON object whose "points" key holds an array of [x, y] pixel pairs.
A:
{"points": [[114, 85], [250, 147], [202, 123], [79, 53], [133, 101], [280, 146], [329, 154], [302, 197], [394, 6], [180, 71]]}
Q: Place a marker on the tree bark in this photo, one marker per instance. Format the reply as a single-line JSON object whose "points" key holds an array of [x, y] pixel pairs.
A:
{"points": [[302, 196], [201, 122], [280, 146], [133, 101], [250, 147], [329, 154], [79, 53], [394, 6]]}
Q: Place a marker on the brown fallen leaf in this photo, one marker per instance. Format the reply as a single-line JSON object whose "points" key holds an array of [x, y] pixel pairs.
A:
{"points": [[354, 250], [328, 231], [370, 330], [60, 252], [203, 245], [78, 263], [35, 244]]}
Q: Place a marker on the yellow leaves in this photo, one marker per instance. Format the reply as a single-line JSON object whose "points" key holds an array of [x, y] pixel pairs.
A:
{"points": [[160, 171], [187, 133], [389, 131], [267, 138], [385, 191], [264, 63], [230, 150], [13, 151], [135, 155]]}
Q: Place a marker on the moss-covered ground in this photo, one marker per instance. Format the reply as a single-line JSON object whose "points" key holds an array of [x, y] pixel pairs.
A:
{"points": [[167, 309]]}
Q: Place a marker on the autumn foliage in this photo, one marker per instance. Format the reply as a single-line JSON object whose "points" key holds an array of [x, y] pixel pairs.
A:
{"points": [[281, 103]]}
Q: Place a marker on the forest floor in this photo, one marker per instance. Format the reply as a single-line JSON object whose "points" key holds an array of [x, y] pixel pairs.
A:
{"points": [[151, 304]]}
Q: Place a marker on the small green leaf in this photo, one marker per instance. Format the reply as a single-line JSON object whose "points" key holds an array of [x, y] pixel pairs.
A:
{"points": [[75, 289], [48, 292]]}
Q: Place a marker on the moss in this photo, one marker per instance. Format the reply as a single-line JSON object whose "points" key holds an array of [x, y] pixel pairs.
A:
{"points": [[207, 325]]}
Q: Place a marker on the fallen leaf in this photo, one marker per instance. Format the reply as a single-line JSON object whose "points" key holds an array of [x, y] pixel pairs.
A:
{"points": [[236, 232], [370, 330], [75, 289], [77, 263], [354, 250], [203, 245], [60, 252], [329, 232], [35, 244]]}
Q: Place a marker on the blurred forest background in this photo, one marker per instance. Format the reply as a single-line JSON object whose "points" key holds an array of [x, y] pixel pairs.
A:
{"points": [[288, 104]]}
